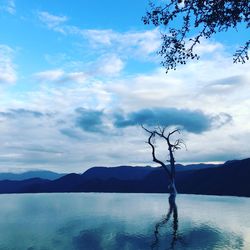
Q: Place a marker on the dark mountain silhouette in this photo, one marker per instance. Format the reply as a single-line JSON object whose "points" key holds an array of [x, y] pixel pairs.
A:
{"points": [[230, 178], [121, 173], [43, 174], [135, 172], [102, 173], [24, 186], [180, 167]]}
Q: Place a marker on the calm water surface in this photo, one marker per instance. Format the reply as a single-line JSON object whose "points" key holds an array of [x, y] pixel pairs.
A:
{"points": [[123, 221]]}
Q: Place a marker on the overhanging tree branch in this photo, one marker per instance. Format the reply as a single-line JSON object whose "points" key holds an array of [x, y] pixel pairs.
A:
{"points": [[198, 19]]}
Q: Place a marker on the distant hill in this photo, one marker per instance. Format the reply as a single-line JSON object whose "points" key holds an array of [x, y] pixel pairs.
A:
{"points": [[135, 172], [43, 174], [24, 186], [180, 167], [102, 173], [121, 173], [230, 178]]}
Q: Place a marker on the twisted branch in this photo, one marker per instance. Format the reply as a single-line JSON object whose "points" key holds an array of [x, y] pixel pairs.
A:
{"points": [[152, 135]]}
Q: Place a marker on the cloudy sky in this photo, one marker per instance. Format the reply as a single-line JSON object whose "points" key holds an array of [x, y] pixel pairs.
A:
{"points": [[77, 78]]}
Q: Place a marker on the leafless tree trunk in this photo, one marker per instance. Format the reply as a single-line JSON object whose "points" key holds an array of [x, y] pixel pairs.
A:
{"points": [[170, 169]]}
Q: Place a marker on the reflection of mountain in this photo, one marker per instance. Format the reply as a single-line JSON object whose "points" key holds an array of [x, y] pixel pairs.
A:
{"points": [[231, 178]]}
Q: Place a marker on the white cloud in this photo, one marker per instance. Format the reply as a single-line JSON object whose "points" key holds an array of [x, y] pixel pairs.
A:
{"points": [[98, 37], [8, 6], [7, 67], [78, 77], [59, 76], [52, 21], [107, 65], [213, 84], [137, 44], [49, 75]]}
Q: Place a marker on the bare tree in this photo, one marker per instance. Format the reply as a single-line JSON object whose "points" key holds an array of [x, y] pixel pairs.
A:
{"points": [[169, 168]]}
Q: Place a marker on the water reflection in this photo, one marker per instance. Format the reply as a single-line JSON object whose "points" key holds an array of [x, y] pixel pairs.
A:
{"points": [[203, 236], [172, 211], [123, 221], [100, 240]]}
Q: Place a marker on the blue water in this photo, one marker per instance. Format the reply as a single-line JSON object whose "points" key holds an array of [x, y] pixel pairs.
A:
{"points": [[122, 221]]}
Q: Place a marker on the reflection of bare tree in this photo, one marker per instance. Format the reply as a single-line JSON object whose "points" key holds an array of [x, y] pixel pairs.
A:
{"points": [[172, 211]]}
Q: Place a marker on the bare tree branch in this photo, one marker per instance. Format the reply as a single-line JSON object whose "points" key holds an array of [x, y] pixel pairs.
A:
{"points": [[152, 135], [160, 132]]}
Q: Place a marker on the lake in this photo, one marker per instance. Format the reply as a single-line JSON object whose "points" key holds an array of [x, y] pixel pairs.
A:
{"points": [[122, 221]]}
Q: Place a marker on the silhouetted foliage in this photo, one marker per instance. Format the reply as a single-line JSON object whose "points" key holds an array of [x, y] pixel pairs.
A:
{"points": [[196, 19]]}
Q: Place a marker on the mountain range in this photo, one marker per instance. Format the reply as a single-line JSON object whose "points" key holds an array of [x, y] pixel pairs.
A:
{"points": [[230, 178], [43, 174]]}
